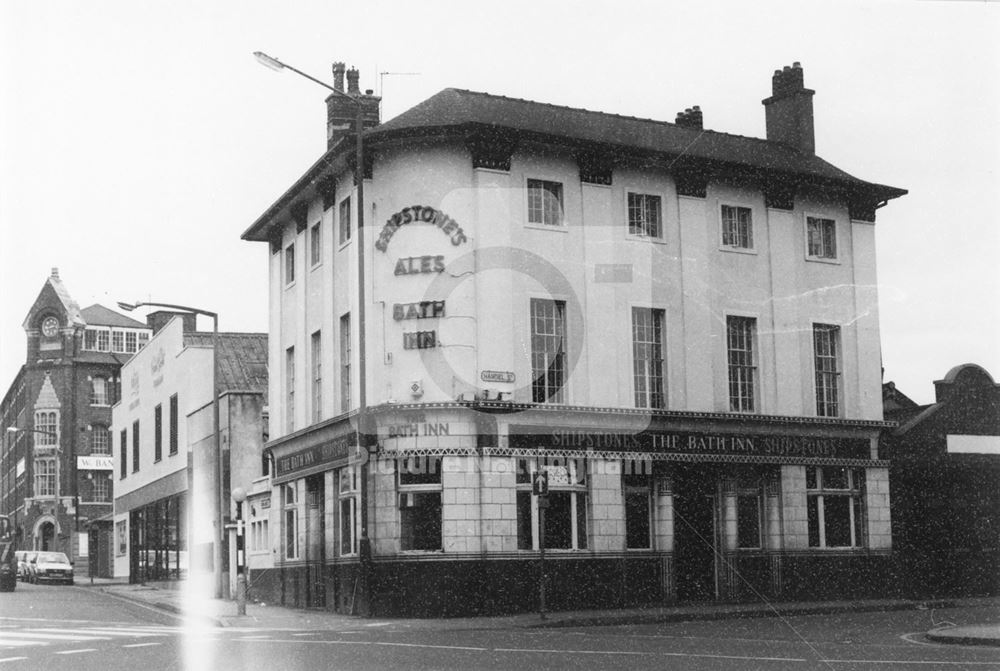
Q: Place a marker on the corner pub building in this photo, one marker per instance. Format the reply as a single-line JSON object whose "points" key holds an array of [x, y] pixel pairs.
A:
{"points": [[679, 326]]}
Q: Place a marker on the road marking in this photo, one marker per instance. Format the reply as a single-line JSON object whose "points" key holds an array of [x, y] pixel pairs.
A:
{"points": [[655, 654], [55, 635], [140, 645], [75, 652], [16, 643], [908, 661], [12, 659], [423, 645], [908, 639]]}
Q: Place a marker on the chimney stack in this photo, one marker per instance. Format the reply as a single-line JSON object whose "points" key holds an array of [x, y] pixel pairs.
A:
{"points": [[789, 110], [690, 118], [341, 112]]}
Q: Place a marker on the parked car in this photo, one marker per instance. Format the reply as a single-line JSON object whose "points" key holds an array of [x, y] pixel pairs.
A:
{"points": [[50, 567], [23, 569]]}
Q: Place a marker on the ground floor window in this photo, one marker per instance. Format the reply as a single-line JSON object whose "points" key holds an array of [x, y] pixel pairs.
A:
{"points": [[748, 511], [290, 505], [834, 506], [566, 514], [121, 536], [638, 493], [419, 488], [158, 543], [347, 495]]}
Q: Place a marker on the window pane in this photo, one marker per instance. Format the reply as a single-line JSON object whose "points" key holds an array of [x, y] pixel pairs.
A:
{"points": [[558, 521], [347, 526], [835, 477], [837, 521], [748, 521], [420, 471], [812, 513], [637, 519], [420, 520], [524, 541]]}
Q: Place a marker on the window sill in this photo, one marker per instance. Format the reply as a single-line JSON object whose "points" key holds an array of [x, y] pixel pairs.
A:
{"points": [[422, 552], [343, 244], [656, 240], [738, 250], [315, 266], [822, 259], [560, 228]]}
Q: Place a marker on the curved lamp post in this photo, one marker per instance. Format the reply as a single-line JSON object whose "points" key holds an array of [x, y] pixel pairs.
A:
{"points": [[220, 502], [359, 159]]}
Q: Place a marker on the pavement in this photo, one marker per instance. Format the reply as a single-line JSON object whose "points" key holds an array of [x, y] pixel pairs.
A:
{"points": [[171, 597]]}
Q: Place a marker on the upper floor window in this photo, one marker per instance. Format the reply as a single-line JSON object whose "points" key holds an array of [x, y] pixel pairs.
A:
{"points": [[290, 263], [737, 227], [344, 214], [290, 389], [821, 236], [548, 351], [45, 477], [315, 244], [100, 490], [103, 341], [143, 338], [123, 453], [99, 391], [100, 440], [644, 215], [545, 202], [740, 336], [131, 341], [826, 344], [47, 429], [117, 341], [157, 432], [135, 446], [647, 357], [345, 362], [172, 447], [317, 376]]}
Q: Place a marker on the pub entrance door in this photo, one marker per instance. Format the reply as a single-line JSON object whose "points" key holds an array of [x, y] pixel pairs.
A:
{"points": [[696, 532], [315, 542]]}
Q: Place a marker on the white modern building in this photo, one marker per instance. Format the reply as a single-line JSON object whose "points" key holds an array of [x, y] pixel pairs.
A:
{"points": [[678, 326], [166, 465]]}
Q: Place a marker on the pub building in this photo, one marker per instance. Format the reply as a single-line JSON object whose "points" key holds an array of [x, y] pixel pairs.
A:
{"points": [[677, 327]]}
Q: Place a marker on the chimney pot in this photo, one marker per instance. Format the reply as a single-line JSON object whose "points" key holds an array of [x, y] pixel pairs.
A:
{"points": [[338, 76], [55, 273], [369, 92], [797, 65], [352, 81]]}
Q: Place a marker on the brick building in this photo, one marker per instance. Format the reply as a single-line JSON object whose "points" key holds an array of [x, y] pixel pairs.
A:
{"points": [[56, 464]]}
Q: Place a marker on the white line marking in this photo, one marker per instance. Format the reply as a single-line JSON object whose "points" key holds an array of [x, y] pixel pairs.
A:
{"points": [[662, 654], [908, 639], [12, 659], [140, 645], [908, 661], [16, 643], [422, 645], [99, 632], [52, 635], [76, 652]]}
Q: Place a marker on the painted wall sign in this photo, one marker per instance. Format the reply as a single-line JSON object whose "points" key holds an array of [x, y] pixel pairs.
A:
{"points": [[424, 214], [420, 340], [316, 455], [95, 463], [414, 265], [761, 445], [419, 429], [497, 376], [421, 310]]}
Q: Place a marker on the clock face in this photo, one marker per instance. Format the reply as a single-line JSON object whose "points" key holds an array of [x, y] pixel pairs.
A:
{"points": [[50, 327]]}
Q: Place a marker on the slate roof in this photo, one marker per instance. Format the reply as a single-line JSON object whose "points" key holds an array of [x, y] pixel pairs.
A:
{"points": [[458, 111], [242, 359], [98, 315]]}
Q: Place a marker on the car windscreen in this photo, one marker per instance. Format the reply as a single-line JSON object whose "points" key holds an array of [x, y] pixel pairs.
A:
{"points": [[52, 558]]}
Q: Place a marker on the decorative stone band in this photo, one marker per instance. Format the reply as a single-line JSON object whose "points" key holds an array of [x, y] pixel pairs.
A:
{"points": [[609, 455]]}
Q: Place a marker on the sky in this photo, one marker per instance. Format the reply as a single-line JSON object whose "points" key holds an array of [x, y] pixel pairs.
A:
{"points": [[138, 140]]}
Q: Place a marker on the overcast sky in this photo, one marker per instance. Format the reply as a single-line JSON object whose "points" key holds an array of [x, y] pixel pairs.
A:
{"points": [[138, 140]]}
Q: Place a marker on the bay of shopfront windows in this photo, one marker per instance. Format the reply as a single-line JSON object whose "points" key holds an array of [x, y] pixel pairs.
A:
{"points": [[834, 496], [157, 545]]}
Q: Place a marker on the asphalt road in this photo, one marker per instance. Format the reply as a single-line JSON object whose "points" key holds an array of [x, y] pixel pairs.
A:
{"points": [[59, 627]]}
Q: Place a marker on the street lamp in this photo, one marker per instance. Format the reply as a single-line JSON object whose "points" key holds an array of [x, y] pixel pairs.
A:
{"points": [[359, 159], [220, 503], [55, 447]]}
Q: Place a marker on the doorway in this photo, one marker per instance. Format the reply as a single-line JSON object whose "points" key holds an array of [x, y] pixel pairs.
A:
{"points": [[315, 542], [46, 536], [696, 533]]}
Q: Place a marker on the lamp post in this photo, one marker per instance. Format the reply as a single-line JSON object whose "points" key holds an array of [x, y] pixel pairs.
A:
{"points": [[364, 549], [239, 496], [55, 446], [220, 499]]}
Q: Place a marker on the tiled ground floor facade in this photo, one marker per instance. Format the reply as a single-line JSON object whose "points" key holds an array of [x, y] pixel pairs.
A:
{"points": [[641, 509]]}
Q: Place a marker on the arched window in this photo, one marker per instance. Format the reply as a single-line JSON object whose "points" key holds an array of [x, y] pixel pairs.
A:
{"points": [[100, 442], [99, 391]]}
